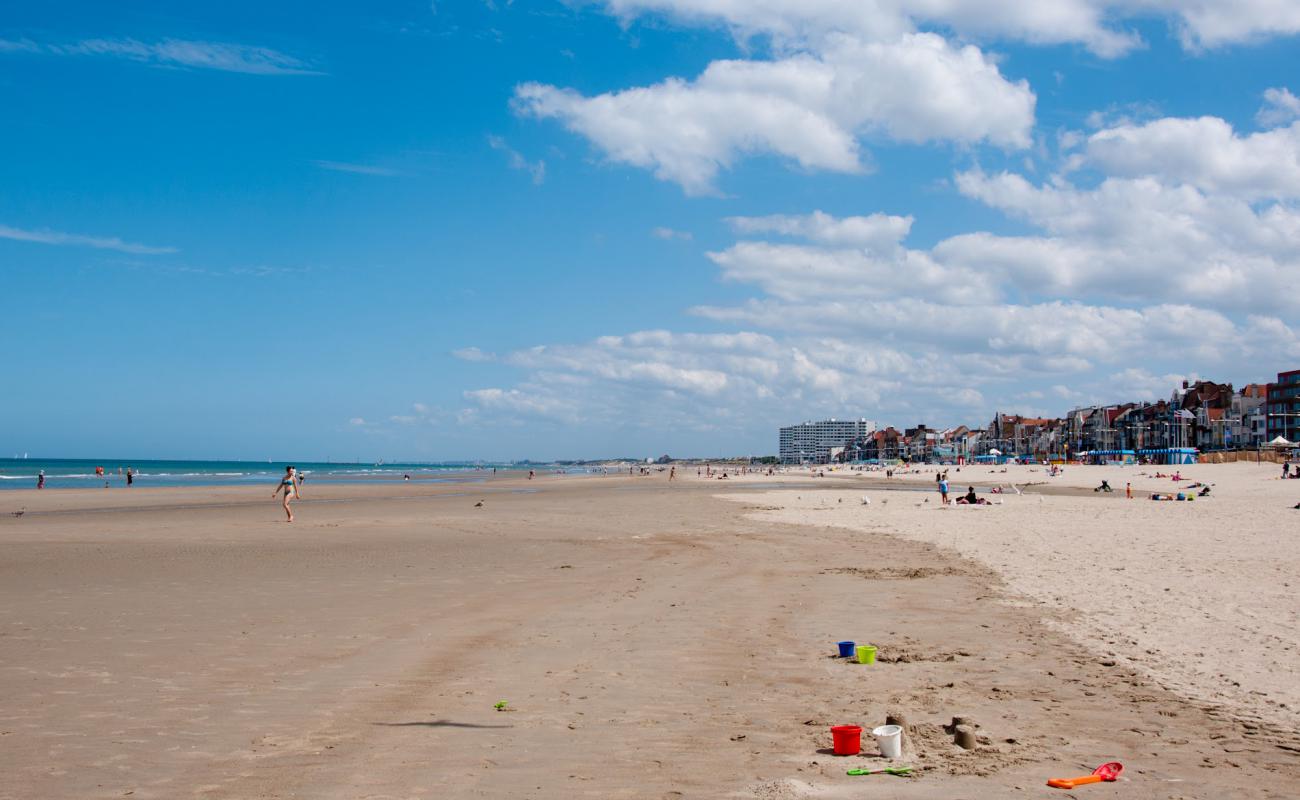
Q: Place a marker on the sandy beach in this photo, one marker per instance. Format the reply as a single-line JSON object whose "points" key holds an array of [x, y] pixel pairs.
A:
{"points": [[648, 639]]}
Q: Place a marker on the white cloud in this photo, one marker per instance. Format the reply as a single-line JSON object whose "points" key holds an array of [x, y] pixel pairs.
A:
{"points": [[358, 169], [798, 271], [1214, 23], [1137, 383], [1280, 107], [224, 56], [1205, 153], [514, 401], [358, 422], [473, 354], [537, 169], [809, 108], [669, 234], [947, 334], [80, 240], [1099, 25], [1135, 237], [874, 232], [798, 22]]}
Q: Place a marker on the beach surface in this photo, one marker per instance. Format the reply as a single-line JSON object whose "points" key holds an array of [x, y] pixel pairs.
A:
{"points": [[647, 639]]}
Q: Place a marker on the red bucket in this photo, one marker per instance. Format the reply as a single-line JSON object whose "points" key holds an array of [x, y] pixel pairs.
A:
{"points": [[848, 739]]}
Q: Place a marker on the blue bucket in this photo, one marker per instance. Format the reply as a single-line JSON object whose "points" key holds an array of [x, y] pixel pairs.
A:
{"points": [[847, 649]]}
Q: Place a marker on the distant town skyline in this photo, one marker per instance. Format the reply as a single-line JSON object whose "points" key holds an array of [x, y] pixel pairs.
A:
{"points": [[494, 230]]}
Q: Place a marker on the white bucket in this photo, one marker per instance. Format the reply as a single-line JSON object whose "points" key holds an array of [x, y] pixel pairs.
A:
{"points": [[889, 738]]}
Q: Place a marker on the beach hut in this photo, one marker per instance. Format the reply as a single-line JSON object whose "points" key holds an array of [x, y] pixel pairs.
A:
{"points": [[1109, 457], [1170, 455]]}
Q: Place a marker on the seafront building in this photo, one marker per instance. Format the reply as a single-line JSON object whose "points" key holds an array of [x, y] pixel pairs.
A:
{"points": [[821, 442], [1284, 406], [1199, 417]]}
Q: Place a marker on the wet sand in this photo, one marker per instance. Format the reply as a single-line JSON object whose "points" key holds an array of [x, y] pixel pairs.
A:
{"points": [[650, 640]]}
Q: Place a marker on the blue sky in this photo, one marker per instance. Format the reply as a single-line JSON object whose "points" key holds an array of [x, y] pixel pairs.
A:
{"points": [[507, 230]]}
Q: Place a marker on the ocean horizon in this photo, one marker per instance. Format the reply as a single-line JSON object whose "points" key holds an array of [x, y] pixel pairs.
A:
{"points": [[80, 473]]}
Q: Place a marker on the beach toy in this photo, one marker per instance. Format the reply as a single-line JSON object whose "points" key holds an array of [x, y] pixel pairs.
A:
{"points": [[1106, 772], [882, 770], [501, 705], [889, 740], [848, 739], [846, 649], [866, 654]]}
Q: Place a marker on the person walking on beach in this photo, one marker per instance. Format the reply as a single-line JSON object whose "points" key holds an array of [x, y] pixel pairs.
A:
{"points": [[130, 477], [40, 479], [1128, 491], [289, 486], [943, 491]]}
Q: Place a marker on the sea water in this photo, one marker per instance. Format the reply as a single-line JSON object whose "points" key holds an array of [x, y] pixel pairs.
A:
{"points": [[66, 473]]}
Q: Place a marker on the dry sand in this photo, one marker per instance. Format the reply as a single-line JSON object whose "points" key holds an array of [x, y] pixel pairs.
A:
{"points": [[651, 641], [1200, 595]]}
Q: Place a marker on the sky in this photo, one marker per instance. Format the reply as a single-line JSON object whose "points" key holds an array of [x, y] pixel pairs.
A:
{"points": [[503, 230]]}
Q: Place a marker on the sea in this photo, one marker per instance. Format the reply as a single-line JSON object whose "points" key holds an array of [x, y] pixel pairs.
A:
{"points": [[81, 473]]}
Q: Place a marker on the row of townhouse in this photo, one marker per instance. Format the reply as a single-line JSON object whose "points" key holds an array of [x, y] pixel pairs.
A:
{"points": [[1198, 416]]}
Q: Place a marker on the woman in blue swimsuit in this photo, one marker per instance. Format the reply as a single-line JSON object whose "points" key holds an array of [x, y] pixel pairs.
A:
{"points": [[289, 484]]}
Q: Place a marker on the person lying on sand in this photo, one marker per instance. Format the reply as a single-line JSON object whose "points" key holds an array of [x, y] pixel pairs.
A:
{"points": [[969, 499]]}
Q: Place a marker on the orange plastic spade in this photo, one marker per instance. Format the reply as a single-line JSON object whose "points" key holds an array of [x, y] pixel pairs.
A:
{"points": [[1106, 772]]}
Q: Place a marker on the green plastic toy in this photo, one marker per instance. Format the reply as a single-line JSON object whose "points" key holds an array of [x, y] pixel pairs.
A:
{"points": [[501, 706], [886, 770]]}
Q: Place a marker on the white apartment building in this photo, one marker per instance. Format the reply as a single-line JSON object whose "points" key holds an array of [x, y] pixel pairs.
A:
{"points": [[812, 442]]}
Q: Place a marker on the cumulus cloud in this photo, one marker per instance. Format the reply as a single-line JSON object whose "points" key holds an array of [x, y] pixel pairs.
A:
{"points": [[516, 402], [877, 231], [795, 271], [1280, 107], [952, 332], [1099, 25], [1136, 236], [809, 108], [1204, 152], [223, 56], [81, 240]]}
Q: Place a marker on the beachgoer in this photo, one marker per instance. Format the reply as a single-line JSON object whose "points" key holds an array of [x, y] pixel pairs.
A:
{"points": [[40, 479], [289, 486], [969, 499], [1105, 487], [406, 477], [672, 473], [1286, 470], [530, 474], [1128, 491], [943, 491], [130, 477]]}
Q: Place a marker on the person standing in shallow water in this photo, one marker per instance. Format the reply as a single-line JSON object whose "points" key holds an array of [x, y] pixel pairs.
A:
{"points": [[289, 485]]}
